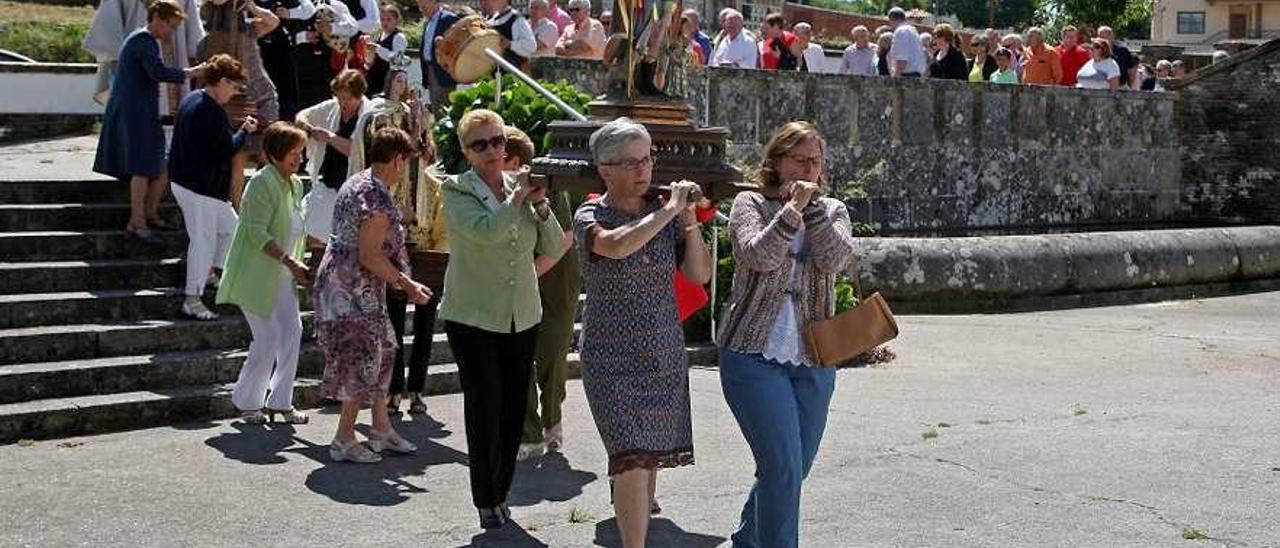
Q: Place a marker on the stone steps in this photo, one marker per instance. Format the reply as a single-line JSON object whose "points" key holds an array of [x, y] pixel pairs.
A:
{"points": [[107, 305], [27, 345], [73, 216], [81, 191], [161, 371], [59, 417], [89, 275], [66, 245]]}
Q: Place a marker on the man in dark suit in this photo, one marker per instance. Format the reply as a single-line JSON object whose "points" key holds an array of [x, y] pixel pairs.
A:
{"points": [[437, 20]]}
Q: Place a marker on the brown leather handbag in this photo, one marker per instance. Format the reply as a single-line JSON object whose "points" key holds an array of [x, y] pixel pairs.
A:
{"points": [[854, 331]]}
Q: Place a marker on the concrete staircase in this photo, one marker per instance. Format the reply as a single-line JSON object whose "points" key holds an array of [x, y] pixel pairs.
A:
{"points": [[90, 335]]}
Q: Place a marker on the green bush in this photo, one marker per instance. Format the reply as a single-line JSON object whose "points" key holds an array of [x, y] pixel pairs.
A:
{"points": [[46, 42], [522, 107]]}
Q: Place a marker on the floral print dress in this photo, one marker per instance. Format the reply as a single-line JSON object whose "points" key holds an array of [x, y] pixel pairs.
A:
{"points": [[352, 326]]}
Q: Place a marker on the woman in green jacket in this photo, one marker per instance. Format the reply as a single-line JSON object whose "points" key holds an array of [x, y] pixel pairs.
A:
{"points": [[267, 245], [497, 223]]}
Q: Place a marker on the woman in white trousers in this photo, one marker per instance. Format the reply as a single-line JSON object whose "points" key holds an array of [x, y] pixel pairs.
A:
{"points": [[263, 264]]}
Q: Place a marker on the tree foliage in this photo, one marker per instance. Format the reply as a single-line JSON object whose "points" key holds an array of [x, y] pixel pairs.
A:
{"points": [[1014, 14]]}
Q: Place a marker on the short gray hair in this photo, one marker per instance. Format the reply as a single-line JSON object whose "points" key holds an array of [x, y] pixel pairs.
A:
{"points": [[584, 4], [726, 13], [606, 141], [542, 3]]}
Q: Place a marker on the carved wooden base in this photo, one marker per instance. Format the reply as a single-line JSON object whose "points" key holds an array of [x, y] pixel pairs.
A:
{"points": [[644, 111]]}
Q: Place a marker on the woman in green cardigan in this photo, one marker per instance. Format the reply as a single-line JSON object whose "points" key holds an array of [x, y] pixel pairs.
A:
{"points": [[268, 244], [497, 223]]}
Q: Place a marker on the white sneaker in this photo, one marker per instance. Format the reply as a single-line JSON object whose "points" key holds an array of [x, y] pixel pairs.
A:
{"points": [[554, 437], [530, 450]]}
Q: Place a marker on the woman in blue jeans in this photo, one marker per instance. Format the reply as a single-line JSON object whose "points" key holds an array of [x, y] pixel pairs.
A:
{"points": [[789, 243]]}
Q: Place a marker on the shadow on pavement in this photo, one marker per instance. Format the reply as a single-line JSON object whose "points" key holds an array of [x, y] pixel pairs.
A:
{"points": [[511, 535], [662, 532], [254, 444], [548, 477], [381, 484]]}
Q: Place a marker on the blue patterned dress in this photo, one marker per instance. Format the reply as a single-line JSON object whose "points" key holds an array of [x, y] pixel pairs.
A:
{"points": [[352, 326], [634, 369]]}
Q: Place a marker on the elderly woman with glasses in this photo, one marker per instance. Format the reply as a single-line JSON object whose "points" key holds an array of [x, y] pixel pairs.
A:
{"points": [[634, 368], [789, 242], [497, 223]]}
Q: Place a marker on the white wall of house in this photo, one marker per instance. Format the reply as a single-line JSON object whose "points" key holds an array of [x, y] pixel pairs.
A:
{"points": [[1206, 22]]}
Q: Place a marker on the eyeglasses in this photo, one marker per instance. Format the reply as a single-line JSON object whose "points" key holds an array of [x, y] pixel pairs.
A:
{"points": [[808, 161], [574, 10], [632, 163], [480, 145]]}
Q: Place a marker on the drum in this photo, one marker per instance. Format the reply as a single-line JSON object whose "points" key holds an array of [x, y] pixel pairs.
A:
{"points": [[429, 267], [461, 49]]}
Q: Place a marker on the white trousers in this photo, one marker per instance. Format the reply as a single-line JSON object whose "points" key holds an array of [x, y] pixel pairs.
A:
{"points": [[317, 211], [210, 225], [273, 355]]}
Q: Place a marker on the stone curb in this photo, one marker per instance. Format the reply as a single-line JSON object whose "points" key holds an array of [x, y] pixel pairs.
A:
{"points": [[60, 418], [995, 269]]}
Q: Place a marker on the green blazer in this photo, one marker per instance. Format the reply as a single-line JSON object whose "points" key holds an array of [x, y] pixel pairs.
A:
{"points": [[491, 282], [250, 278]]}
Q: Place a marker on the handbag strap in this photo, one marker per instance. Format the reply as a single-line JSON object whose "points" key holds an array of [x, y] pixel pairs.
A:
{"points": [[857, 280]]}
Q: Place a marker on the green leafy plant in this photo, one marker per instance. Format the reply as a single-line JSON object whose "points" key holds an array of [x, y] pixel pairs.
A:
{"points": [[521, 107]]}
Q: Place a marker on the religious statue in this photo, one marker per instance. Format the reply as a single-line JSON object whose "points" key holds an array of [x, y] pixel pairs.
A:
{"points": [[646, 54]]}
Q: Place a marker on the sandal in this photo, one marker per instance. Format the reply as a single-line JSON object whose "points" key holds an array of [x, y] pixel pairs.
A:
{"points": [[417, 405], [198, 311], [144, 235], [161, 224], [290, 416], [352, 451], [382, 441], [253, 417], [554, 437]]}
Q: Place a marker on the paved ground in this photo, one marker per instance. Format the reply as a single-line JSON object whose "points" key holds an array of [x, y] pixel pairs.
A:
{"points": [[63, 159], [1097, 427]]}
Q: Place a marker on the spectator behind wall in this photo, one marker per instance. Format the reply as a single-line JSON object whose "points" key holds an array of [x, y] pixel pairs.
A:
{"points": [[948, 61], [776, 46], [860, 57], [983, 63]]}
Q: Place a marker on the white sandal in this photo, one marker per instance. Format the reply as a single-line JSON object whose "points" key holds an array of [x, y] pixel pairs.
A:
{"points": [[253, 417], [339, 452], [198, 311], [382, 441]]}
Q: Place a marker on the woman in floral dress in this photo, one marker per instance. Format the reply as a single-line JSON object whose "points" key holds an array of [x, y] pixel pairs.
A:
{"points": [[365, 254]]}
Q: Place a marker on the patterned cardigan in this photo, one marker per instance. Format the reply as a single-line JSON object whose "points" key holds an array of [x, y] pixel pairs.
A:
{"points": [[761, 231]]}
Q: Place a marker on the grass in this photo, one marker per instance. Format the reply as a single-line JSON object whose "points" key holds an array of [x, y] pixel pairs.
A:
{"points": [[45, 33], [579, 515], [1191, 533]]}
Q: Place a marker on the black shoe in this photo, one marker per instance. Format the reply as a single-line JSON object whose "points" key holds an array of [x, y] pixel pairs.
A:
{"points": [[490, 518]]}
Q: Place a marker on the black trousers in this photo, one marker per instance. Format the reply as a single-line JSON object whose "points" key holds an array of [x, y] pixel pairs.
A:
{"points": [[494, 368], [424, 321]]}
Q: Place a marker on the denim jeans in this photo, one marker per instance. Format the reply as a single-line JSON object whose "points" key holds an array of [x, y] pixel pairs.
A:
{"points": [[782, 412]]}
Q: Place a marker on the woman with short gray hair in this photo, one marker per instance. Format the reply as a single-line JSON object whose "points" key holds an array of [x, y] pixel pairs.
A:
{"points": [[634, 369], [585, 37]]}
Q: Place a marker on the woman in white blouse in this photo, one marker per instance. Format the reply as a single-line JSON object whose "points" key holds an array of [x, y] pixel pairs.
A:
{"points": [[1101, 72]]}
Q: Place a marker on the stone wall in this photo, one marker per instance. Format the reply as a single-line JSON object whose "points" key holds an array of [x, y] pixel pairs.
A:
{"points": [[943, 157], [1230, 123]]}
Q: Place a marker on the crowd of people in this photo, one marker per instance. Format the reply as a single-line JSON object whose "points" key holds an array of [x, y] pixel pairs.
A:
{"points": [[898, 49], [519, 255]]}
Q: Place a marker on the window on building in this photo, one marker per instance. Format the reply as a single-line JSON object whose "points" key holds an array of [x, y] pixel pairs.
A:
{"points": [[1191, 22]]}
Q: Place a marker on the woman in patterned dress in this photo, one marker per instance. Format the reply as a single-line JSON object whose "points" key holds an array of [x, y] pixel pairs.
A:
{"points": [[634, 369], [365, 254]]}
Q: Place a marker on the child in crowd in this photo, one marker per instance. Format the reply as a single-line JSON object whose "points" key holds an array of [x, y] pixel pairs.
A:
{"points": [[1006, 74]]}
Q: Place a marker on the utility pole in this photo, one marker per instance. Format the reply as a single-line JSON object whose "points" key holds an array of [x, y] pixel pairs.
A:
{"points": [[991, 14]]}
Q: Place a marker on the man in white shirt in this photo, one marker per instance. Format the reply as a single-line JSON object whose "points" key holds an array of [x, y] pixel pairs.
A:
{"points": [[545, 30], [861, 56], [735, 48], [584, 38], [812, 58], [906, 55]]}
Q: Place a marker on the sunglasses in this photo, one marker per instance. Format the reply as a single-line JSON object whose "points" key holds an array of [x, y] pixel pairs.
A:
{"points": [[575, 10], [480, 145]]}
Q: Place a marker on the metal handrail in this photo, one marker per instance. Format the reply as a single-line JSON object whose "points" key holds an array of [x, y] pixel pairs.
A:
{"points": [[506, 65]]}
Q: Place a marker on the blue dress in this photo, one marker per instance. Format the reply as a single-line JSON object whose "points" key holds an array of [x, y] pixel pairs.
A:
{"points": [[132, 142]]}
